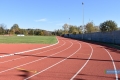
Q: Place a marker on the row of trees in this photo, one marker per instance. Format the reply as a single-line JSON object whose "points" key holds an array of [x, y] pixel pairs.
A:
{"points": [[15, 29], [67, 29], [88, 28]]}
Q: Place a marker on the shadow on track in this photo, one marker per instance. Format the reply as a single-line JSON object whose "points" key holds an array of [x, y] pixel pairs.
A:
{"points": [[25, 74], [5, 53], [68, 58]]}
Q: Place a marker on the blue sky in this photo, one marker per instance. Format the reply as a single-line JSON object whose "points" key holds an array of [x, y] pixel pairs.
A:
{"points": [[52, 14]]}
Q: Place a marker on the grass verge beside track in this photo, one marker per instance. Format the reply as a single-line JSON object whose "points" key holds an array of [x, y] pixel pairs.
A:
{"points": [[28, 39]]}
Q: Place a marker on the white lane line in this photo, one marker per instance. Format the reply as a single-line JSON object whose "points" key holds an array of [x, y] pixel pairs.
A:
{"points": [[54, 64], [34, 54], [36, 60], [84, 64], [116, 75], [30, 50]]}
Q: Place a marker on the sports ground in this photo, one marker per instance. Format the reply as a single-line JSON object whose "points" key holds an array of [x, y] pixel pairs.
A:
{"points": [[57, 59]]}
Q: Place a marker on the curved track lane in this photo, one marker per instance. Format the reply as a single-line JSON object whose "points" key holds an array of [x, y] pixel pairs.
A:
{"points": [[100, 61], [31, 59], [67, 60]]}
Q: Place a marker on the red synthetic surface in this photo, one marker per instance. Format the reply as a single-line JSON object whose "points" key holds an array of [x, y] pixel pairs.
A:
{"points": [[59, 62], [12, 48]]}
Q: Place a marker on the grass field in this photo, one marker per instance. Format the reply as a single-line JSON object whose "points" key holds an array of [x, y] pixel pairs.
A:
{"points": [[28, 39]]}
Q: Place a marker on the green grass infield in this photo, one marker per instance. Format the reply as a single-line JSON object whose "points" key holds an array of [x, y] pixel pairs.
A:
{"points": [[28, 39]]}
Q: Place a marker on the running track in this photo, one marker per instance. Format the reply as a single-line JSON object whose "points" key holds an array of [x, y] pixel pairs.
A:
{"points": [[66, 60]]}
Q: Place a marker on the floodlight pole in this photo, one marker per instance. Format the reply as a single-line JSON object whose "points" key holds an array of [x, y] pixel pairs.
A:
{"points": [[83, 19], [69, 23]]}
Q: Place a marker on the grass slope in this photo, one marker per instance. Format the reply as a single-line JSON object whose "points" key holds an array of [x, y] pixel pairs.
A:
{"points": [[28, 39]]}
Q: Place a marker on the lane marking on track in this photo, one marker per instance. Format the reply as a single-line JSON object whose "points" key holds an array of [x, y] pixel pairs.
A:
{"points": [[34, 54], [36, 60], [54, 64], [30, 50], [84, 64], [32, 71], [116, 75]]}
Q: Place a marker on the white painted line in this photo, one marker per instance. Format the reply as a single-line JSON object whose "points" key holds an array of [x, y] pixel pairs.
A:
{"points": [[84, 64], [37, 48], [1, 56], [35, 54], [33, 49], [36, 60], [116, 75], [53, 64]]}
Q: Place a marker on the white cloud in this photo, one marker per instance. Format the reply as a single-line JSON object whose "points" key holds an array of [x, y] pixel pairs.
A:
{"points": [[41, 20]]}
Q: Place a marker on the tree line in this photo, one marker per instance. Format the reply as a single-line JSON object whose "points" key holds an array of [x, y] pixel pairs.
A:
{"points": [[106, 26], [15, 29]]}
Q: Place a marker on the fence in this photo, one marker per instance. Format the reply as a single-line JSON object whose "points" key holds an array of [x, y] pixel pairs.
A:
{"points": [[108, 37]]}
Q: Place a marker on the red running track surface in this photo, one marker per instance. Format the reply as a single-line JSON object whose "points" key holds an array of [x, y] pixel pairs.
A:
{"points": [[67, 60], [12, 48]]}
